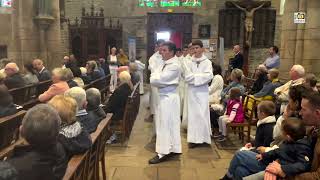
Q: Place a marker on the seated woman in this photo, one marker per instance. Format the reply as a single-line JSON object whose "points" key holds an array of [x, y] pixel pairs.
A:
{"points": [[234, 113], [117, 102], [216, 86], [59, 85], [30, 76], [246, 157], [93, 72], [267, 92], [7, 107], [70, 77], [72, 136], [261, 79], [236, 76], [94, 109], [40, 156]]}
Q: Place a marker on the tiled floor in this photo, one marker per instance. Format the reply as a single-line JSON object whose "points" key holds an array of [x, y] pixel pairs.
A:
{"points": [[131, 162]]}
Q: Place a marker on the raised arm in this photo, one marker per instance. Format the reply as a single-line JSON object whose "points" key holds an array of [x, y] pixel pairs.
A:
{"points": [[241, 8], [254, 9]]}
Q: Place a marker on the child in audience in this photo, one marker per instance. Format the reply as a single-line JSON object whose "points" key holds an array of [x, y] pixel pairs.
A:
{"points": [[294, 154], [233, 114], [72, 136], [311, 82]]}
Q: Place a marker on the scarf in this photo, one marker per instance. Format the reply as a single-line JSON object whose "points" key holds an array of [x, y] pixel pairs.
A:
{"points": [[269, 119]]}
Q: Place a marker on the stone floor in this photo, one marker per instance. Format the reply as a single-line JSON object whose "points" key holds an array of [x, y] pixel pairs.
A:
{"points": [[130, 162]]}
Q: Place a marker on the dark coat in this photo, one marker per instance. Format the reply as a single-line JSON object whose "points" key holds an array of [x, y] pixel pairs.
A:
{"points": [[8, 110], [258, 84], [294, 157], [44, 75], [74, 144], [135, 78], [268, 89], [105, 67], [264, 135], [34, 164], [97, 114], [87, 122], [117, 102], [72, 83], [237, 62], [14, 81], [96, 74]]}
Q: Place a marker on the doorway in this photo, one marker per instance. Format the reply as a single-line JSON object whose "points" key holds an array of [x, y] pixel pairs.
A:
{"points": [[176, 27]]}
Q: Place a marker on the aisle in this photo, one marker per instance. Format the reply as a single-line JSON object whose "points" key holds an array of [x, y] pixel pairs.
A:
{"points": [[131, 162]]}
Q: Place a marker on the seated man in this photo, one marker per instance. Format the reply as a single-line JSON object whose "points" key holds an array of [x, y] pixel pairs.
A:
{"points": [[94, 109], [42, 73], [7, 107], [79, 95], [40, 156], [14, 78]]}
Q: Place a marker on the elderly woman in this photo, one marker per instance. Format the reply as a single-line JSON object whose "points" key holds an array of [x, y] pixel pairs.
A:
{"points": [[70, 77], [7, 107], [94, 109], [93, 72], [118, 100], [236, 76], [59, 85], [135, 77], [74, 138]]}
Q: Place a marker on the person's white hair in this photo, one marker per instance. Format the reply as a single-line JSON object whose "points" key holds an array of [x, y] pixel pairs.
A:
{"points": [[125, 77], [299, 69], [59, 72], [12, 66], [83, 70], [79, 95]]}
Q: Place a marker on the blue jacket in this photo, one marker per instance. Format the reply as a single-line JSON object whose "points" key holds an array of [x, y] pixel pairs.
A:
{"points": [[268, 89]]}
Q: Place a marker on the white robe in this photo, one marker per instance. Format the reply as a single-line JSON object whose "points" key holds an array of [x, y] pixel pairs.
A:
{"points": [[155, 62], [184, 109], [141, 68], [166, 79], [198, 75]]}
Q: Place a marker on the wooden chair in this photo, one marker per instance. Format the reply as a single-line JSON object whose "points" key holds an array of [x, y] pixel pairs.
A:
{"points": [[250, 119], [9, 129], [248, 83]]}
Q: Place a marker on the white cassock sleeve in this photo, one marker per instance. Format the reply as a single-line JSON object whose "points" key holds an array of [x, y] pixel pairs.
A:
{"points": [[141, 66], [204, 76], [166, 77]]}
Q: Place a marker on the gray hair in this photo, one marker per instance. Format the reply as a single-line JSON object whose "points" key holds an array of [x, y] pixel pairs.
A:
{"points": [[299, 69], [68, 74], [79, 95], [40, 126], [237, 73], [61, 73], [93, 97]]}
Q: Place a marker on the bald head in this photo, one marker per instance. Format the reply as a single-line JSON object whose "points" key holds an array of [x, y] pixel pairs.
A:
{"points": [[236, 49], [11, 69], [37, 64]]}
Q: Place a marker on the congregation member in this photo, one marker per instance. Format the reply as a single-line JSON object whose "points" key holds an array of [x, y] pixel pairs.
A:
{"points": [[2, 77], [113, 62], [292, 110], [103, 74], [296, 74], [240, 163], [140, 70], [13, 77], [104, 65], [84, 76], [262, 77], [79, 95], [30, 76], [274, 60], [40, 156], [133, 69], [166, 79], [123, 58], [216, 86], [267, 91], [155, 62], [42, 73], [117, 101], [59, 85], [69, 78], [237, 61], [73, 137], [7, 107], [93, 72], [234, 114], [311, 82], [198, 73], [94, 108], [236, 77]]}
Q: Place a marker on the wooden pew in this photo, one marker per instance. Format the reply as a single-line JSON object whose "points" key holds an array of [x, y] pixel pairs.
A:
{"points": [[102, 84], [9, 129], [86, 166]]}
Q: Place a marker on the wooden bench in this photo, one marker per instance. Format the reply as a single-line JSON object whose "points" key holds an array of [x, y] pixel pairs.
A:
{"points": [[124, 126], [102, 84], [9, 129], [86, 166], [250, 119]]}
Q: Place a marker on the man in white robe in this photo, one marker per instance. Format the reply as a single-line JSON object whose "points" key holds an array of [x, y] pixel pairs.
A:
{"points": [[166, 79], [155, 62], [140, 69], [187, 54], [198, 74]]}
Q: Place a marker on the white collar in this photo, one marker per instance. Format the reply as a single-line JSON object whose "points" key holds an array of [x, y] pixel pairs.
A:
{"points": [[42, 70], [269, 119]]}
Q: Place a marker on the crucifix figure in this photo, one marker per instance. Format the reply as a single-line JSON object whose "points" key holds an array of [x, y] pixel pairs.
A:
{"points": [[249, 12]]}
